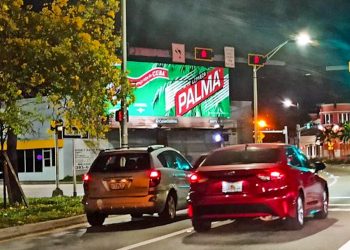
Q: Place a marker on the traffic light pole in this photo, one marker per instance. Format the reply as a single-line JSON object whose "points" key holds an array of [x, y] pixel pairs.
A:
{"points": [[124, 122], [255, 90]]}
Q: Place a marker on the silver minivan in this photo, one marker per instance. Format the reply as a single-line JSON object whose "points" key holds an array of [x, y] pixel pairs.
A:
{"points": [[136, 181]]}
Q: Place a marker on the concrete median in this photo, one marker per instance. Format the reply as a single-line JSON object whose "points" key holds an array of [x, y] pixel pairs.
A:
{"points": [[12, 232]]}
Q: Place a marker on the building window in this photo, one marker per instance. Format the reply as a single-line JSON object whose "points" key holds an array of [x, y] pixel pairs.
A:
{"points": [[29, 166], [328, 118], [49, 157], [38, 160], [20, 157], [33, 160], [344, 117]]}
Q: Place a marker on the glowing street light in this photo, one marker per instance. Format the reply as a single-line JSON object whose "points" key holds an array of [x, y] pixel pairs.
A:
{"points": [[287, 103], [301, 39]]}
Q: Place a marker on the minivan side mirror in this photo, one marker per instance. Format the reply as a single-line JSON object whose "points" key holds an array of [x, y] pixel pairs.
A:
{"points": [[319, 165]]}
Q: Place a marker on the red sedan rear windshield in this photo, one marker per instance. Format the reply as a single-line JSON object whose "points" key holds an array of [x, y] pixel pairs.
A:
{"points": [[251, 155], [117, 162]]}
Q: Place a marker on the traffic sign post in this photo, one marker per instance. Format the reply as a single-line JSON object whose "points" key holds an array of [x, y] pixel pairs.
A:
{"points": [[284, 131]]}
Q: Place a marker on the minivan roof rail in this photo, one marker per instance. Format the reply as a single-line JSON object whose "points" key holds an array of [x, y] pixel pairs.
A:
{"points": [[154, 147]]}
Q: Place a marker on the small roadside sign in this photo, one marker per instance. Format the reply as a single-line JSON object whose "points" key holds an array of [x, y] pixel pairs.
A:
{"points": [[178, 52], [229, 53]]}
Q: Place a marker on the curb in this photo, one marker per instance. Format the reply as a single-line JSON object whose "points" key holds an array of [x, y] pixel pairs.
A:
{"points": [[12, 232]]}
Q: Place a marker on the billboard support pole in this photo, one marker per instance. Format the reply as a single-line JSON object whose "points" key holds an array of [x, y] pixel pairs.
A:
{"points": [[123, 123]]}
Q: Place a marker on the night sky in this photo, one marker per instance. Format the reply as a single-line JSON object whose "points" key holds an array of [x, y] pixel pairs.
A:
{"points": [[258, 26]]}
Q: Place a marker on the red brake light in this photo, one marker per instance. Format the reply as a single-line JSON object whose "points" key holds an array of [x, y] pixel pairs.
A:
{"points": [[86, 180], [154, 174], [154, 178], [271, 176], [86, 177], [194, 178], [197, 178]]}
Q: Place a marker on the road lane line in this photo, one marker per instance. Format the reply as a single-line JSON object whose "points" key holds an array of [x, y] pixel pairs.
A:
{"points": [[163, 237], [156, 239], [339, 205], [340, 197], [346, 246], [335, 179], [339, 209]]}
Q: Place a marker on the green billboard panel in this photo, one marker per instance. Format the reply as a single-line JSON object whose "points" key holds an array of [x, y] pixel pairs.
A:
{"points": [[179, 90]]}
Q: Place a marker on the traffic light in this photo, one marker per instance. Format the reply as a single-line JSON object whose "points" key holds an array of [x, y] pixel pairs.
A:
{"points": [[203, 54], [262, 123], [119, 115], [256, 60]]}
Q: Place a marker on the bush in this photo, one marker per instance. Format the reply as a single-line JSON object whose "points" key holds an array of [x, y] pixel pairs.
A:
{"points": [[40, 209]]}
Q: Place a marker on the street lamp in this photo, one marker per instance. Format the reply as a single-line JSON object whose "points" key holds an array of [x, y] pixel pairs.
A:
{"points": [[301, 39]]}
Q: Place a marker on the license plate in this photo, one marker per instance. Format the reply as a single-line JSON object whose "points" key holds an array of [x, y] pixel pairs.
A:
{"points": [[117, 185], [232, 187]]}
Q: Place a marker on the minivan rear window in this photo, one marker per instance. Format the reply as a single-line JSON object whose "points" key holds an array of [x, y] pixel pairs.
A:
{"points": [[253, 155], [121, 161]]}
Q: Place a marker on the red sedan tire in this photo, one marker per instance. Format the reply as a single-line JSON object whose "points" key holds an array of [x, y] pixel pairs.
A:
{"points": [[297, 222], [323, 213]]}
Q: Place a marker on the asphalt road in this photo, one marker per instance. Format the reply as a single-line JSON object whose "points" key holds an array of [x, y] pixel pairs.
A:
{"points": [[122, 233]]}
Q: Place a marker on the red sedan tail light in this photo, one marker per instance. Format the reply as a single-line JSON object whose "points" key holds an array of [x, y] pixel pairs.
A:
{"points": [[197, 178], [271, 176]]}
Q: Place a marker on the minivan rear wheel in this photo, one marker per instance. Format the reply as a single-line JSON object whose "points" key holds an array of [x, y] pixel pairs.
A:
{"points": [[169, 212], [136, 215], [95, 219]]}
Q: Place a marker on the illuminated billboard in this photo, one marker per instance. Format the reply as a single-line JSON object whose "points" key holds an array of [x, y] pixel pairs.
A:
{"points": [[174, 90]]}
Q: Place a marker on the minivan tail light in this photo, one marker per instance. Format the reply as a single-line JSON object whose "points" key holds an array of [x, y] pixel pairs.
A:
{"points": [[86, 177], [154, 178], [271, 176], [86, 180]]}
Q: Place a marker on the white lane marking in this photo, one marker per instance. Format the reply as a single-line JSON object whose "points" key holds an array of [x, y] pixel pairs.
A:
{"points": [[339, 209], [335, 179], [339, 205], [156, 239], [187, 230], [346, 246], [340, 197]]}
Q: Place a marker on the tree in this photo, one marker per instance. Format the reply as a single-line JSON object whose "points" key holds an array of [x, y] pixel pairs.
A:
{"points": [[80, 51], [14, 84], [65, 52], [328, 136]]}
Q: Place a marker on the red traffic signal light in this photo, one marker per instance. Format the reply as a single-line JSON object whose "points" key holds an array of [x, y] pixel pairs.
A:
{"points": [[256, 60], [119, 115], [203, 54]]}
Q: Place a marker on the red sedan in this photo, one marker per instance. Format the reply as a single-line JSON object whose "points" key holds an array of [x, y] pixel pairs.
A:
{"points": [[267, 181]]}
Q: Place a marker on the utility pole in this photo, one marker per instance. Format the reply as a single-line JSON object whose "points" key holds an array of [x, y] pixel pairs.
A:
{"points": [[58, 127], [255, 90], [124, 122]]}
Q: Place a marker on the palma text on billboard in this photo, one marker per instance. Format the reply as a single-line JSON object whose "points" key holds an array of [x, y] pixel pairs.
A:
{"points": [[192, 95]]}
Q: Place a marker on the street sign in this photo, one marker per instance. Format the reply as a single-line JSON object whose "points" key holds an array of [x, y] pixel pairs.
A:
{"points": [[178, 52], [229, 53]]}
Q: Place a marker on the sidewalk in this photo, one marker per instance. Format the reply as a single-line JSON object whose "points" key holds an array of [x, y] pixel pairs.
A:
{"points": [[12, 232]]}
